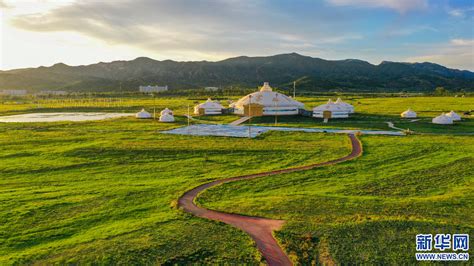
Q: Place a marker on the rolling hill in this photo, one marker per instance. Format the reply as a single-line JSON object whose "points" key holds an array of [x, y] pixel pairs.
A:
{"points": [[312, 74]]}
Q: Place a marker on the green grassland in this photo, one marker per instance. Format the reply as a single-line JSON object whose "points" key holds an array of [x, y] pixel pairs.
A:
{"points": [[105, 191], [367, 210]]}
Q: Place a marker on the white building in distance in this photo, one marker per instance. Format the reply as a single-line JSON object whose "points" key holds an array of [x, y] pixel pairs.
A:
{"points": [[211, 88], [13, 92], [149, 88], [52, 93]]}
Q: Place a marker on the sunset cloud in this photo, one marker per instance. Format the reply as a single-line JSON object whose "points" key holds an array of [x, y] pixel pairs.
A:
{"points": [[213, 30]]}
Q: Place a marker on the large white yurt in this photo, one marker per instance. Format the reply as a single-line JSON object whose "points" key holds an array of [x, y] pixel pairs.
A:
{"points": [[454, 116], [442, 119], [332, 110], [166, 111], [143, 114], [408, 114], [267, 102], [345, 105], [167, 117], [209, 107]]}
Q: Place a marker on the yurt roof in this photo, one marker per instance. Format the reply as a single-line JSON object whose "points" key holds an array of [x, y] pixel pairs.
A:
{"points": [[210, 104], [166, 111], [143, 112], [409, 111], [330, 106], [443, 119], [453, 115], [267, 97], [167, 117], [341, 102]]}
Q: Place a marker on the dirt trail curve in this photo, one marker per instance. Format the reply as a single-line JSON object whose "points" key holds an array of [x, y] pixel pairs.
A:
{"points": [[260, 229]]}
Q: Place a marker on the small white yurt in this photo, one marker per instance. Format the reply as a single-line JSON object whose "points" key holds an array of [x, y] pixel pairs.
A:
{"points": [[454, 116], [166, 117], [332, 110], [166, 111], [408, 114], [209, 107], [345, 105], [143, 114], [442, 119]]}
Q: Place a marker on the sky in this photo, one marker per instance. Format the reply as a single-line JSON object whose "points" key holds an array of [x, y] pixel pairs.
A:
{"points": [[44, 32]]}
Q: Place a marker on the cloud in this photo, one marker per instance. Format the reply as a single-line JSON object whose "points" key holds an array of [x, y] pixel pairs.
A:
{"points": [[4, 5], [457, 53], [460, 12], [463, 42], [406, 31], [401, 6], [190, 26]]}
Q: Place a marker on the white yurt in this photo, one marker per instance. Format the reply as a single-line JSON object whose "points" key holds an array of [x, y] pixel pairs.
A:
{"points": [[442, 119], [267, 102], [166, 111], [143, 114], [167, 117], [345, 105], [209, 107], [335, 110], [408, 114], [454, 116]]}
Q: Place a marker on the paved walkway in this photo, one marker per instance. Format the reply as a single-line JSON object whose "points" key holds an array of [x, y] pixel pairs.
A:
{"points": [[253, 131], [260, 229], [391, 125], [240, 121]]}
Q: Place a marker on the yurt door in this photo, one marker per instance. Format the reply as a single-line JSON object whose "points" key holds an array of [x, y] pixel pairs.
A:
{"points": [[327, 114], [253, 110]]}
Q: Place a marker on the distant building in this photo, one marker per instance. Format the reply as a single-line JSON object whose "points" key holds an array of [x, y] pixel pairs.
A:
{"points": [[52, 93], [13, 92], [148, 89], [211, 88]]}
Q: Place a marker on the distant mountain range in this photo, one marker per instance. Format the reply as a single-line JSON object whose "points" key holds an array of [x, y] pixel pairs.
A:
{"points": [[311, 74]]}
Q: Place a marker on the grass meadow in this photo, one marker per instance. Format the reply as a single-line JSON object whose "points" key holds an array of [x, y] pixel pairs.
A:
{"points": [[365, 211], [104, 192]]}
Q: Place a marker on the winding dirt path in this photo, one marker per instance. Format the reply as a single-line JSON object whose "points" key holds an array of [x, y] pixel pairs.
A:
{"points": [[260, 229]]}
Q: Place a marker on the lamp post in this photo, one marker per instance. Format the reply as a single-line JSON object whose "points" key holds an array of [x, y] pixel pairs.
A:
{"points": [[188, 115], [275, 107], [154, 109], [294, 89], [250, 114]]}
